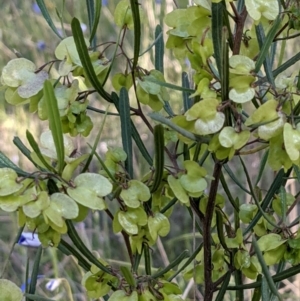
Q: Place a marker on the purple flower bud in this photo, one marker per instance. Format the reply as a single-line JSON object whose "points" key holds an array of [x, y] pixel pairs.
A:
{"points": [[40, 45], [36, 8]]}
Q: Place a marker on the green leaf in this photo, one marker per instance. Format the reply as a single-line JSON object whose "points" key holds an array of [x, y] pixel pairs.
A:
{"points": [[35, 270], [275, 186], [90, 188], [158, 225], [265, 269], [5, 162], [265, 44], [158, 117], [173, 264], [96, 19], [171, 86], [55, 124], [270, 242], [159, 49], [47, 17], [135, 193], [37, 150], [187, 101], [10, 291], [292, 61], [137, 31], [159, 148], [85, 59], [235, 179], [128, 276], [83, 249], [126, 129], [135, 134], [217, 26], [37, 298]]}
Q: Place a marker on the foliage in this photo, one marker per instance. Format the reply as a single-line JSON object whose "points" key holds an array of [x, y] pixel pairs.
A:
{"points": [[240, 105]]}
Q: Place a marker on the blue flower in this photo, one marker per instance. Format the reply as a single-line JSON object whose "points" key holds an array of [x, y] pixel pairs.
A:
{"points": [[52, 284], [40, 45], [104, 2], [28, 239], [36, 8]]}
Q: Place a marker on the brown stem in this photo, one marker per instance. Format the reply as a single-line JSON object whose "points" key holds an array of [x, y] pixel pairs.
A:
{"points": [[240, 21], [207, 241]]}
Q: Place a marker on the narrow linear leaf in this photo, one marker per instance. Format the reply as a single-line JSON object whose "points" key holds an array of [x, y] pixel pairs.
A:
{"points": [[257, 291], [187, 101], [37, 298], [159, 148], [95, 21], [159, 49], [126, 129], [85, 59], [253, 194], [178, 129], [137, 31], [219, 224], [262, 166], [217, 25], [265, 292], [151, 46], [83, 249], [265, 45], [4, 265], [297, 172], [234, 178], [224, 72], [223, 289], [228, 193], [128, 276], [135, 134], [91, 13], [283, 203], [35, 270], [22, 148], [171, 86], [55, 124], [190, 259], [93, 149], [147, 257], [287, 64], [173, 264], [104, 167], [290, 272], [47, 17], [265, 269], [27, 278], [36, 149], [265, 42], [68, 250], [112, 60], [275, 186], [5, 162]]}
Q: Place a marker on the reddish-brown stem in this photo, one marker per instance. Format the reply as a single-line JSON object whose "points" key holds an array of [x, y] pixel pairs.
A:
{"points": [[240, 21]]}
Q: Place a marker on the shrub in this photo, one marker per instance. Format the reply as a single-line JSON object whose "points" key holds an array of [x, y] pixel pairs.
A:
{"points": [[236, 107]]}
